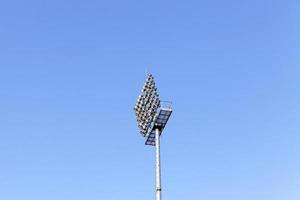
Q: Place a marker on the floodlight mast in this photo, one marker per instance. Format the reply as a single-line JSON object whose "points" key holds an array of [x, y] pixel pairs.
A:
{"points": [[152, 119]]}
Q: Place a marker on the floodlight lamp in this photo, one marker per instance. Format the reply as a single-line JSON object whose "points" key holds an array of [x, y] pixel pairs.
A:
{"points": [[147, 104]]}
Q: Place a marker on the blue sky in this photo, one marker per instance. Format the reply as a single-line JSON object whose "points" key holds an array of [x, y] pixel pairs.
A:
{"points": [[70, 72]]}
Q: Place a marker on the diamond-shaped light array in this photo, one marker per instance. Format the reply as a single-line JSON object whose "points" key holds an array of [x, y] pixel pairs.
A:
{"points": [[147, 104]]}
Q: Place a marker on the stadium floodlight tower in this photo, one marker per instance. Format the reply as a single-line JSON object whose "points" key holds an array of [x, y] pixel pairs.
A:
{"points": [[152, 119]]}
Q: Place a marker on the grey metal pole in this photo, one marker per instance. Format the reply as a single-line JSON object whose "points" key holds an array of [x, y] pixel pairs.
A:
{"points": [[158, 181]]}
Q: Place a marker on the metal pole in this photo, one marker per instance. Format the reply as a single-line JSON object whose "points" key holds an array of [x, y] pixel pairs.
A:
{"points": [[158, 181]]}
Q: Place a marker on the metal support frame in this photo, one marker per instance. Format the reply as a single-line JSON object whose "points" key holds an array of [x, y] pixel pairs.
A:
{"points": [[158, 171], [160, 121], [153, 139]]}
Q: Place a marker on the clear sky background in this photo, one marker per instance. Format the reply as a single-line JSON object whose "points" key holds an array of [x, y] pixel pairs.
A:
{"points": [[70, 73]]}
